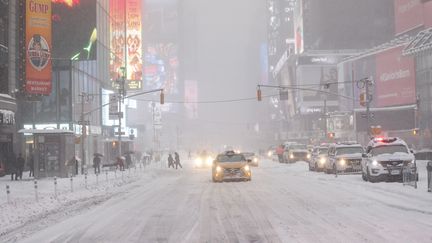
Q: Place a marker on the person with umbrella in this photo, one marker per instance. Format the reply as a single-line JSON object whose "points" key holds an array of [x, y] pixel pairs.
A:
{"points": [[97, 162]]}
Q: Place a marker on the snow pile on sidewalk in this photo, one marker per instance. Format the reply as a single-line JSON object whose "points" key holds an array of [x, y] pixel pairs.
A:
{"points": [[23, 209]]}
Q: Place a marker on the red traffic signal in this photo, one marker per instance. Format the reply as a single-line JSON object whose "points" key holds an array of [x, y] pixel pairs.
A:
{"points": [[331, 135], [162, 98]]}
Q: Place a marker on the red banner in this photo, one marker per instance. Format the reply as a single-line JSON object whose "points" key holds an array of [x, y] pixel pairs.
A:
{"points": [[38, 47], [408, 15], [395, 79]]}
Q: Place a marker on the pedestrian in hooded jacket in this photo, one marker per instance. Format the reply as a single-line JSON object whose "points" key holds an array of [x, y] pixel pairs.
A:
{"points": [[170, 161], [177, 160]]}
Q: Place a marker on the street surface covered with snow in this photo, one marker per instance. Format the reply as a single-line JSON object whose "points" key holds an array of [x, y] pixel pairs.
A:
{"points": [[282, 203]]}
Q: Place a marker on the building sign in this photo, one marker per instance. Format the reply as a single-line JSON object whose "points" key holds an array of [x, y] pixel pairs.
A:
{"points": [[7, 117], [408, 15], [395, 79], [191, 98], [134, 85], [38, 47], [319, 60], [126, 48], [113, 107]]}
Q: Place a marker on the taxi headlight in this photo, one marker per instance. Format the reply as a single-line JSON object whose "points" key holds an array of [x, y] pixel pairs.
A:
{"points": [[342, 162], [291, 156], [246, 168], [255, 160], [269, 154], [218, 169], [374, 162], [322, 160], [308, 156]]}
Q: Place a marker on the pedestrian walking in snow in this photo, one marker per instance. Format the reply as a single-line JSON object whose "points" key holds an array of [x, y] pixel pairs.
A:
{"points": [[177, 160], [120, 163], [170, 161], [96, 164], [31, 165], [12, 166], [20, 161]]}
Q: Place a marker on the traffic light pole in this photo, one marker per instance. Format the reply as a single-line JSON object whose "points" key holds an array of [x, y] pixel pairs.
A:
{"points": [[368, 101]]}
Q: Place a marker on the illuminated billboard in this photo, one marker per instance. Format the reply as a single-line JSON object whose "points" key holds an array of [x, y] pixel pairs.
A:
{"points": [[126, 49], [38, 47], [74, 29], [161, 66], [408, 15]]}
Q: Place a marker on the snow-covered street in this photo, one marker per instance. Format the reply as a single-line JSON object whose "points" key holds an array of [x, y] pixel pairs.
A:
{"points": [[282, 203]]}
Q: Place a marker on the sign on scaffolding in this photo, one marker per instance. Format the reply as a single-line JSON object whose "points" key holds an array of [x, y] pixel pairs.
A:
{"points": [[113, 107]]}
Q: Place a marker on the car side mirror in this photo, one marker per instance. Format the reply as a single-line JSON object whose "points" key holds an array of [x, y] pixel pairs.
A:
{"points": [[412, 151], [249, 161], [364, 155]]}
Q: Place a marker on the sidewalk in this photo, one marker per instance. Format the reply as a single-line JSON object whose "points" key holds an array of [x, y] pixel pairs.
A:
{"points": [[23, 207]]}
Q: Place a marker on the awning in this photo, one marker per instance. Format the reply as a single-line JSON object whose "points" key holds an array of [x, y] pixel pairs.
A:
{"points": [[45, 131], [422, 42]]}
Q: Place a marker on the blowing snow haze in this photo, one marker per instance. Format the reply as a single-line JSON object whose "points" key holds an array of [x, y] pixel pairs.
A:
{"points": [[215, 121]]}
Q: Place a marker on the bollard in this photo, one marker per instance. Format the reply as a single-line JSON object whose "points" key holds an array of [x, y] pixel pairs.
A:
{"points": [[429, 175], [97, 179], [106, 176], [71, 183], [36, 190], [55, 187], [85, 180], [8, 193]]}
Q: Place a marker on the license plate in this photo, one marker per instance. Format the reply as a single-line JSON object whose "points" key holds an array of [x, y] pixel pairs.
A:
{"points": [[395, 172]]}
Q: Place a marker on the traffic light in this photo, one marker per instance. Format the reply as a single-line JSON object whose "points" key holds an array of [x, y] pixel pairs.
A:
{"points": [[416, 131], [259, 95], [331, 135], [363, 99], [162, 98]]}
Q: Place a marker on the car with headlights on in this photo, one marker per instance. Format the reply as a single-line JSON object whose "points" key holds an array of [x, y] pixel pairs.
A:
{"points": [[203, 160], [251, 158], [231, 166], [386, 158], [319, 158], [344, 157], [296, 152]]}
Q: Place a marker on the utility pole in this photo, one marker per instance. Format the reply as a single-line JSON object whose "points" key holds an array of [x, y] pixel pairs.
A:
{"points": [[83, 124], [121, 95], [325, 118], [368, 102]]}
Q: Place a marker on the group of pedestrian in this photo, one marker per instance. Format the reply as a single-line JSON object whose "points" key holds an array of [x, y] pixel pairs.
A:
{"points": [[16, 166], [174, 161]]}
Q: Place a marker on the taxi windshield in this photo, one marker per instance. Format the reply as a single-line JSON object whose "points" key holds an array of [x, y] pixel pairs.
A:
{"points": [[230, 158], [389, 149], [323, 151]]}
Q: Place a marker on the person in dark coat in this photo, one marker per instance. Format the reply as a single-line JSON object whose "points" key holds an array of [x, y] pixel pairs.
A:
{"points": [[120, 163], [170, 161], [20, 161], [128, 160], [31, 165], [96, 164], [177, 160], [12, 166]]}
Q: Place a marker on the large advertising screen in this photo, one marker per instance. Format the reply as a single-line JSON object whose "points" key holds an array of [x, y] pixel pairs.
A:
{"points": [[38, 47], [161, 66], [395, 78], [126, 39], [408, 15], [313, 79], [74, 29]]}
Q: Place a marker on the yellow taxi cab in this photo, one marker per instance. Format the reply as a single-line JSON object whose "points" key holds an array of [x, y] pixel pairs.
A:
{"points": [[231, 166]]}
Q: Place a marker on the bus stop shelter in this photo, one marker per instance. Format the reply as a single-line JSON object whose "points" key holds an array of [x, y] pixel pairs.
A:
{"points": [[53, 149]]}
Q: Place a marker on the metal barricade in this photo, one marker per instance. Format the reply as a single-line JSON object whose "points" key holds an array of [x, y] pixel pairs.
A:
{"points": [[410, 176]]}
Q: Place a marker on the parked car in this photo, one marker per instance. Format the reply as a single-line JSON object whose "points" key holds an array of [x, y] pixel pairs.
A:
{"points": [[385, 159], [344, 157], [319, 158], [296, 152]]}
